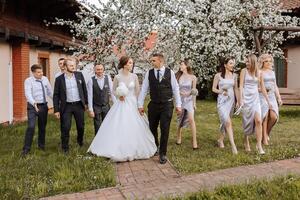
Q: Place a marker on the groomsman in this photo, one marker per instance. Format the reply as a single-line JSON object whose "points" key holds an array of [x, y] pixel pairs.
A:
{"points": [[99, 89], [163, 88], [70, 98], [36, 88], [61, 67]]}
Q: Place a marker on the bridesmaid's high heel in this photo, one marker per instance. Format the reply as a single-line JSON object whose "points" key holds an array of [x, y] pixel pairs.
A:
{"points": [[220, 144], [247, 147], [260, 150], [234, 150]]}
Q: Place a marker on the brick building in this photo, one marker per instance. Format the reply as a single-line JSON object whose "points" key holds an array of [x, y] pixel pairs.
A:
{"points": [[25, 40]]}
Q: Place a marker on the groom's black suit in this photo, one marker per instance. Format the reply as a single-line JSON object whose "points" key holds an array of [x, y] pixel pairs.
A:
{"points": [[67, 109], [160, 108]]}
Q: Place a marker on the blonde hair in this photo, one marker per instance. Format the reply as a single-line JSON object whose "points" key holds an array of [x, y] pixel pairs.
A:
{"points": [[253, 65], [263, 58]]}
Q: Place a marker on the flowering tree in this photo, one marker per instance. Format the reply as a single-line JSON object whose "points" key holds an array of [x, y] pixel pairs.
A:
{"points": [[201, 30]]}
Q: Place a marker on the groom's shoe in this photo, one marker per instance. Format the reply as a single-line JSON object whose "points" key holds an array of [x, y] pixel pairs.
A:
{"points": [[162, 159], [80, 143], [24, 153]]}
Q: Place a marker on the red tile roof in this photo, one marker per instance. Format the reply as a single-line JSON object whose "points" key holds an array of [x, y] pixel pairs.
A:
{"points": [[291, 4]]}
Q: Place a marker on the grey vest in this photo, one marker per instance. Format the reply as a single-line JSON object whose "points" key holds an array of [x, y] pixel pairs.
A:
{"points": [[101, 97]]}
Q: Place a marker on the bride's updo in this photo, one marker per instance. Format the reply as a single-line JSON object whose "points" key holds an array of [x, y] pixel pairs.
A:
{"points": [[123, 61]]}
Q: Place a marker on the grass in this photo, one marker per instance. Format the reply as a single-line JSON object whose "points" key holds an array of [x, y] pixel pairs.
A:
{"points": [[51, 172], [285, 142], [283, 188]]}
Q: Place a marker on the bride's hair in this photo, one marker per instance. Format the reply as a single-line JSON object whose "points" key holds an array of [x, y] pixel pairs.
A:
{"points": [[123, 61]]}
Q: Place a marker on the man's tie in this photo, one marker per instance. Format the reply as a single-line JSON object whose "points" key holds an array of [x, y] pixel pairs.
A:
{"points": [[158, 75], [44, 94]]}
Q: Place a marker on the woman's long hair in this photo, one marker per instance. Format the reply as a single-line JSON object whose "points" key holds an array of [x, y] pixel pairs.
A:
{"points": [[188, 68], [123, 61], [224, 62], [253, 65]]}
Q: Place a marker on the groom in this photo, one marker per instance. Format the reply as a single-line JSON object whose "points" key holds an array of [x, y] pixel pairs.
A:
{"points": [[163, 87]]}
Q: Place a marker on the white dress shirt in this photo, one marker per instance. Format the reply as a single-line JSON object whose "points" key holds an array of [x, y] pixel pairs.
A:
{"points": [[145, 87], [34, 91], [71, 89], [100, 81]]}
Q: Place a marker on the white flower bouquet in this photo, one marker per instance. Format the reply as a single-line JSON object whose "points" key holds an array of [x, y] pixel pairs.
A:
{"points": [[269, 88], [194, 92], [122, 90]]}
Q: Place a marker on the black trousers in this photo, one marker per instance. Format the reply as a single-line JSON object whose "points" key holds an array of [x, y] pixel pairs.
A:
{"points": [[42, 122], [77, 110], [100, 113], [160, 113]]}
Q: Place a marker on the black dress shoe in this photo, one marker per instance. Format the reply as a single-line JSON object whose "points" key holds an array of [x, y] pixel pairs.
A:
{"points": [[65, 151], [80, 144], [42, 148], [162, 159], [24, 153]]}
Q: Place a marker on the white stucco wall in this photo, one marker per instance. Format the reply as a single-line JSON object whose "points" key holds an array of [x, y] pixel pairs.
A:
{"points": [[293, 70], [5, 76]]}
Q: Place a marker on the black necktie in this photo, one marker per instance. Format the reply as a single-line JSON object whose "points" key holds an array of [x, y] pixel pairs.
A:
{"points": [[44, 95], [158, 74]]}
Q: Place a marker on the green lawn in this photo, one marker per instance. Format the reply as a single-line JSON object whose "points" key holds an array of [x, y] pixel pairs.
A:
{"points": [[51, 172], [285, 142], [283, 188]]}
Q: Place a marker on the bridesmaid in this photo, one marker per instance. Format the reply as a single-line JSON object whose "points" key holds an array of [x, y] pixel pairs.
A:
{"points": [[227, 92], [269, 116], [250, 81], [187, 86]]}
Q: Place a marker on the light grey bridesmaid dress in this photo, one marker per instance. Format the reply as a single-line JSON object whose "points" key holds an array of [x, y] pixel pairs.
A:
{"points": [[225, 104], [270, 85], [251, 103], [187, 102]]}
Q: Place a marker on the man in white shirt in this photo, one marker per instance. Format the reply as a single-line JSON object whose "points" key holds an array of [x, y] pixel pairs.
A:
{"points": [[99, 88], [162, 84], [61, 67], [36, 87]]}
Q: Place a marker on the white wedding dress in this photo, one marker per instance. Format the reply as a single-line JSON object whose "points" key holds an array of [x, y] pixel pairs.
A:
{"points": [[124, 135]]}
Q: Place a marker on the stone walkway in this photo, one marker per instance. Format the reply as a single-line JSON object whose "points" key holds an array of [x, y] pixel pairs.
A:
{"points": [[147, 179]]}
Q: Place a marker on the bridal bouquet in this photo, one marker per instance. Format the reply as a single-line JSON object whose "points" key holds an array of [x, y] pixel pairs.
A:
{"points": [[243, 109], [269, 88], [122, 90]]}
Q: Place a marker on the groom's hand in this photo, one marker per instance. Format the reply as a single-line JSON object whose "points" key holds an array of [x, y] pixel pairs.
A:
{"points": [[141, 110], [57, 115], [91, 114], [178, 110]]}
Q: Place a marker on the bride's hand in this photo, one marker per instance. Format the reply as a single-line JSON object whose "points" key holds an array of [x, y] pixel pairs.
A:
{"points": [[122, 98]]}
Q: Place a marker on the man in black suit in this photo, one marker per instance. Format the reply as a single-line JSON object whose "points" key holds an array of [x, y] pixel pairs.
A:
{"points": [[70, 98]]}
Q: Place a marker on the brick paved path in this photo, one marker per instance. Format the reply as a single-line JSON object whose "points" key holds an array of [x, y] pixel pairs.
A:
{"points": [[147, 179]]}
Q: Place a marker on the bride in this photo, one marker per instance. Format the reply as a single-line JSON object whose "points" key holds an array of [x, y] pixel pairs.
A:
{"points": [[124, 135]]}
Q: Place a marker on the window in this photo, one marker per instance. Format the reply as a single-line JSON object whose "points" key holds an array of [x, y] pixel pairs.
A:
{"points": [[43, 59]]}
